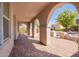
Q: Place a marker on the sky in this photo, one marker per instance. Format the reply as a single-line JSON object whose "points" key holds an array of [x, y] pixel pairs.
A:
{"points": [[60, 10]]}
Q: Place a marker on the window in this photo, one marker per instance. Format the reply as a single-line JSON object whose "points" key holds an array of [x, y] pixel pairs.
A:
{"points": [[5, 28], [4, 23]]}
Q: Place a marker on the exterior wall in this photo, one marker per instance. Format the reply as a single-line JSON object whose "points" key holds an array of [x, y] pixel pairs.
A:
{"points": [[8, 45]]}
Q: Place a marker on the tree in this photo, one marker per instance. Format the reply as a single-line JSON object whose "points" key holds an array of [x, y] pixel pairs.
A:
{"points": [[67, 19]]}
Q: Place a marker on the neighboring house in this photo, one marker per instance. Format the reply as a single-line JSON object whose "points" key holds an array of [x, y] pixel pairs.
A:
{"points": [[56, 26]]}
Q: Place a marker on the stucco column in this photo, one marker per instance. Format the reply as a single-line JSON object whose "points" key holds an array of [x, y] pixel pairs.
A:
{"points": [[44, 34], [15, 27], [28, 28], [33, 29]]}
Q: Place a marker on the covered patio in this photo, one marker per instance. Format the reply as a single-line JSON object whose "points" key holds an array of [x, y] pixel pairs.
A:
{"points": [[33, 44], [26, 46]]}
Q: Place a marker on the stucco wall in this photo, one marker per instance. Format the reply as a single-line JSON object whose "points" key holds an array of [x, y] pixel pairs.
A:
{"points": [[6, 48]]}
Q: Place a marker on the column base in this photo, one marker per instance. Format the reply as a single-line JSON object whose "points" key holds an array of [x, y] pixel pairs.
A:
{"points": [[43, 44]]}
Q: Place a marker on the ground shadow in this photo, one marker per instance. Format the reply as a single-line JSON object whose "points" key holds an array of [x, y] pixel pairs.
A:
{"points": [[76, 54]]}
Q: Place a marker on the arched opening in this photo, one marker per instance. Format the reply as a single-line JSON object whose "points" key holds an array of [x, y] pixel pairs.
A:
{"points": [[56, 32], [23, 28], [36, 29], [53, 21]]}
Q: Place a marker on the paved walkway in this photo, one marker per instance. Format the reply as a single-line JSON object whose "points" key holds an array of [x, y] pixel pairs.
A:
{"points": [[30, 47]]}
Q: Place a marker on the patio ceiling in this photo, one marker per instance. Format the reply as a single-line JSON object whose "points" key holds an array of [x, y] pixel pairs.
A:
{"points": [[26, 11]]}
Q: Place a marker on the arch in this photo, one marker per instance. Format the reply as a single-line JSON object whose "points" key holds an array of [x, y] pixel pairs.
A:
{"points": [[44, 18], [36, 28], [52, 10], [22, 28], [59, 5]]}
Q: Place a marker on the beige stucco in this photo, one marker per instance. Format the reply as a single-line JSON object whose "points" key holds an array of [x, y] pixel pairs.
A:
{"points": [[23, 10]]}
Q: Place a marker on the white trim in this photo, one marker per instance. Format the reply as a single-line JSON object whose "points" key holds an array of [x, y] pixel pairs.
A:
{"points": [[6, 39], [11, 21], [1, 24], [6, 17]]}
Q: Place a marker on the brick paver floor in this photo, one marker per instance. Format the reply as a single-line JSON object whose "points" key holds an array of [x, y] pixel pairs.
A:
{"points": [[30, 47]]}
